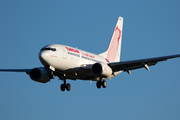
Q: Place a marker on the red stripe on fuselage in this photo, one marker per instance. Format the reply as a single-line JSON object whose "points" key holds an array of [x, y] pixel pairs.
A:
{"points": [[88, 55], [72, 50]]}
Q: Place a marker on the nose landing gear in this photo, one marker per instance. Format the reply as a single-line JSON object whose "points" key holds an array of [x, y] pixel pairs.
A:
{"points": [[65, 86]]}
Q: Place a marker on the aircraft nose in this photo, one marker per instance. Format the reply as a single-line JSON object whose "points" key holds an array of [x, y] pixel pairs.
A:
{"points": [[43, 57]]}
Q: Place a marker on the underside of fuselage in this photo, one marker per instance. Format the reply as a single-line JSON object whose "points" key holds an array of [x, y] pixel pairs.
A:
{"points": [[82, 74]]}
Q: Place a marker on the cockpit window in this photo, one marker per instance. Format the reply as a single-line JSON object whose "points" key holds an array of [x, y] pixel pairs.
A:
{"points": [[53, 49]]}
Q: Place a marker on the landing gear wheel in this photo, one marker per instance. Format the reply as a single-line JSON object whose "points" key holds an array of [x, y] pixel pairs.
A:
{"points": [[62, 87], [98, 84], [104, 84], [68, 87]]}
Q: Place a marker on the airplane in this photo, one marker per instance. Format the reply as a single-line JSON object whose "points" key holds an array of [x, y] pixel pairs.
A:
{"points": [[67, 62]]}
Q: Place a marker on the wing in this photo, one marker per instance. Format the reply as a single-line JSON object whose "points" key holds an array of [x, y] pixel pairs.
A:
{"points": [[16, 70], [136, 64]]}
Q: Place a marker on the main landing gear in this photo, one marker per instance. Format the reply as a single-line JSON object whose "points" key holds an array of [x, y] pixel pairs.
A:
{"points": [[65, 86], [101, 83]]}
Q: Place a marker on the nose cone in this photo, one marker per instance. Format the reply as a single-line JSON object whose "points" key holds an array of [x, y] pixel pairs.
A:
{"points": [[43, 57]]}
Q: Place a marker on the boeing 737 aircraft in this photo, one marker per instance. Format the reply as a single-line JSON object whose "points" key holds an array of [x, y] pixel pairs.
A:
{"points": [[67, 62]]}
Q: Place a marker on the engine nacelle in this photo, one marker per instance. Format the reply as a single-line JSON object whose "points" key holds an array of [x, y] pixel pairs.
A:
{"points": [[101, 69], [40, 75]]}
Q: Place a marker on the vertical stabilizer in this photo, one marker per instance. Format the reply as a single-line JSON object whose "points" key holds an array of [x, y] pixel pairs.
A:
{"points": [[114, 49]]}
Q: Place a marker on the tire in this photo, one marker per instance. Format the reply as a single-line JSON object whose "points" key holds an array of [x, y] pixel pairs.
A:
{"points": [[98, 84], [104, 84], [68, 87], [62, 87]]}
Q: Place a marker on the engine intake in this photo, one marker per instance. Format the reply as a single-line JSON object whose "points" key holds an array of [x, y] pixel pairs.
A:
{"points": [[101, 69], [40, 75], [96, 69]]}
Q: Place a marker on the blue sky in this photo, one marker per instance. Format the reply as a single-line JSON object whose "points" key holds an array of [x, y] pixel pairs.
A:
{"points": [[151, 29]]}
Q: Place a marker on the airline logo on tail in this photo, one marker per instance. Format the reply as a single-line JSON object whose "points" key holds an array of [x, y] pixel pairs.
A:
{"points": [[114, 49], [114, 45]]}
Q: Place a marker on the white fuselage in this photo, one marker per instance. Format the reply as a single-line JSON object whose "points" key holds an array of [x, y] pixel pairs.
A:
{"points": [[70, 61], [67, 62]]}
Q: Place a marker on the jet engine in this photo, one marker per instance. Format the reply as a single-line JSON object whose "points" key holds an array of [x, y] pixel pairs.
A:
{"points": [[40, 75], [101, 69]]}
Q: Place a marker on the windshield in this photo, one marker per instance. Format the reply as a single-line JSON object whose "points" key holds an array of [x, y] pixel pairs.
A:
{"points": [[52, 49]]}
